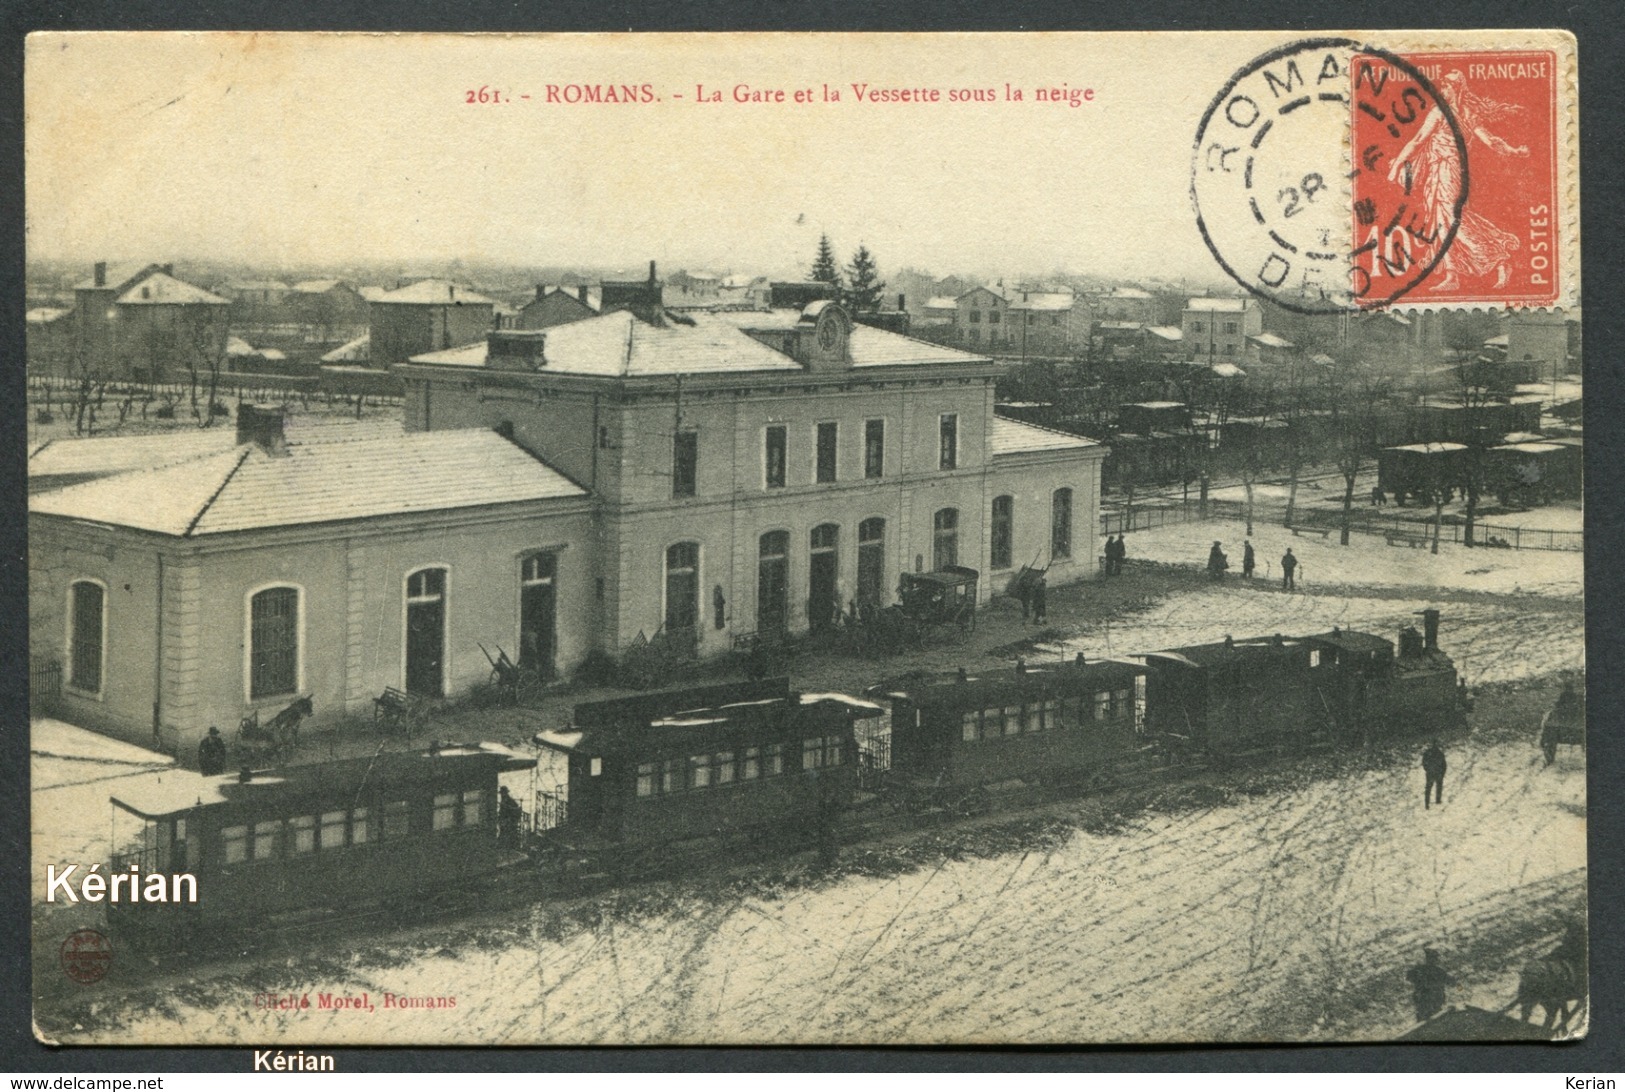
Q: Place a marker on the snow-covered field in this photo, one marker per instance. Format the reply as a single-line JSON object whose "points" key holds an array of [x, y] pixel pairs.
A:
{"points": [[1280, 906]]}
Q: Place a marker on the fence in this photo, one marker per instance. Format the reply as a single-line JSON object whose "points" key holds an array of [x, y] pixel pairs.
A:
{"points": [[44, 683], [1361, 521]]}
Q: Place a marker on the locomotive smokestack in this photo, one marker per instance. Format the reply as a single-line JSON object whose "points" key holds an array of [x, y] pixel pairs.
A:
{"points": [[1430, 630]]}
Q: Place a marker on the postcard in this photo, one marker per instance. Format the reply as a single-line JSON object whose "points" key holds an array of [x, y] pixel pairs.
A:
{"points": [[769, 539]]}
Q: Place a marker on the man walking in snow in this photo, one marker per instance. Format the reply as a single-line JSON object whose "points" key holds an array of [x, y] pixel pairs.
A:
{"points": [[1289, 565], [1433, 764]]}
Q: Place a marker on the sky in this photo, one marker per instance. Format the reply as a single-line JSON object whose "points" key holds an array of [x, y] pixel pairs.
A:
{"points": [[286, 150]]}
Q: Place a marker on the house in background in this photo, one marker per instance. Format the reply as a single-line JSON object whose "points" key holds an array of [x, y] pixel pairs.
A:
{"points": [[1216, 329], [426, 316], [554, 306], [143, 324], [982, 318]]}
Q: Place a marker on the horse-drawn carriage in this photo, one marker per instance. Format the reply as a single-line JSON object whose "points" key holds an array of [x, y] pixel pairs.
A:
{"points": [[945, 597], [276, 736], [1565, 723]]}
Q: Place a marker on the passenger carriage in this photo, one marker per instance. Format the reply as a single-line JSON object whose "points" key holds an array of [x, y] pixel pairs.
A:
{"points": [[700, 763], [1057, 722], [392, 828]]}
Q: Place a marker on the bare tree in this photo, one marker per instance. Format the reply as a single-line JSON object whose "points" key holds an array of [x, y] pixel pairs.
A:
{"points": [[1354, 390]]}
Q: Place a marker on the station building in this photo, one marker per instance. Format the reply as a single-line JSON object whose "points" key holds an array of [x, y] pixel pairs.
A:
{"points": [[553, 492]]}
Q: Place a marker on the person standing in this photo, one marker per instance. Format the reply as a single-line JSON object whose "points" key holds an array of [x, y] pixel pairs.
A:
{"points": [[1122, 553], [1433, 765], [1249, 560], [1040, 615], [1024, 592], [1428, 980], [509, 817], [1289, 566], [1217, 563], [211, 754]]}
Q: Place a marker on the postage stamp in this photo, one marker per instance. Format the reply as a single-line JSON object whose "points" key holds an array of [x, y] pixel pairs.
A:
{"points": [[763, 539], [1330, 175]]}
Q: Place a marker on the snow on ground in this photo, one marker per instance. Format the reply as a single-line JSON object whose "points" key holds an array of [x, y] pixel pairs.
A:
{"points": [[1368, 560], [1285, 915], [55, 737]]}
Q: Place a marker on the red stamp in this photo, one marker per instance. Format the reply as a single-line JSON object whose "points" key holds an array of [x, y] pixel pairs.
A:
{"points": [[1469, 153], [86, 956]]}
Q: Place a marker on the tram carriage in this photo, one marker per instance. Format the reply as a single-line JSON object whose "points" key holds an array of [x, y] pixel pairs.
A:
{"points": [[390, 828], [703, 762]]}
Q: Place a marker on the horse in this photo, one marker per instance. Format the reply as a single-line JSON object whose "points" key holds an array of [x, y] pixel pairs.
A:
{"points": [[284, 727], [1556, 985], [1556, 730]]}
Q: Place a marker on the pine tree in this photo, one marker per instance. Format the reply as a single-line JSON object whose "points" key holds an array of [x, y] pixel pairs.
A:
{"points": [[824, 268], [864, 285]]}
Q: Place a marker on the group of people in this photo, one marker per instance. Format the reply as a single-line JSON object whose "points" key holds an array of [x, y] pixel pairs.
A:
{"points": [[1116, 554], [1218, 562]]}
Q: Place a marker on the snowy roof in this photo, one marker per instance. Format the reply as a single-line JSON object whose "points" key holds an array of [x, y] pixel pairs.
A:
{"points": [[46, 314], [1531, 448], [324, 284], [350, 351], [236, 346], [1499, 341], [119, 274], [244, 488], [1128, 294], [941, 303], [103, 455], [162, 288], [1205, 303], [1226, 371], [992, 288], [255, 286], [1122, 325], [1166, 333], [1322, 359], [1007, 436], [1271, 341], [434, 291], [1043, 301], [1434, 448], [619, 344], [371, 292]]}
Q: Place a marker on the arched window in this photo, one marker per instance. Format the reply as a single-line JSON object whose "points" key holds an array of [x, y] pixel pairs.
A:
{"points": [[426, 633], [1001, 554], [872, 562], [1060, 536], [682, 587], [824, 598], [945, 538], [87, 630], [273, 643], [772, 581]]}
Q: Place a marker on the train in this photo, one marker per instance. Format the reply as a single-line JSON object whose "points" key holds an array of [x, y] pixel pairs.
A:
{"points": [[639, 781]]}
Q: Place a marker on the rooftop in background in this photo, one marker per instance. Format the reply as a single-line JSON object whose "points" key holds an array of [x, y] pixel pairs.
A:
{"points": [[1208, 303], [160, 288], [350, 352], [1043, 301], [434, 291]]}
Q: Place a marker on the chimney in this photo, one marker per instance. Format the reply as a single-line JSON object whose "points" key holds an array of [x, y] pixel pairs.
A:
{"points": [[263, 426], [541, 291], [581, 293], [902, 302], [651, 271], [1430, 630], [516, 350], [167, 269], [101, 275], [451, 292]]}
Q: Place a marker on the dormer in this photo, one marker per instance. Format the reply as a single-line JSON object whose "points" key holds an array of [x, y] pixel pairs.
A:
{"points": [[823, 335]]}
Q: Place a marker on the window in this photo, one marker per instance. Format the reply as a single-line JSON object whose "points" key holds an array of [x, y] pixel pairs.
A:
{"points": [[724, 767], [1060, 537], [699, 772], [332, 830], [445, 810], [671, 775], [473, 807], [685, 463], [87, 621], [750, 767], [603, 436], [1055, 320], [975, 336], [1103, 705], [773, 759], [772, 581], [1230, 328], [976, 316], [235, 842], [358, 827], [301, 834], [426, 632], [646, 779], [945, 538], [265, 839], [1314, 657], [1012, 720], [993, 318], [774, 456], [682, 587], [874, 448], [1196, 327], [872, 562], [1002, 549], [827, 433], [1030, 318], [970, 725], [948, 436], [820, 751], [273, 655]]}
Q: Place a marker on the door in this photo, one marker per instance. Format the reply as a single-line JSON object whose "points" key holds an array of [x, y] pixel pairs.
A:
{"points": [[538, 612], [823, 587], [772, 582], [426, 632]]}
